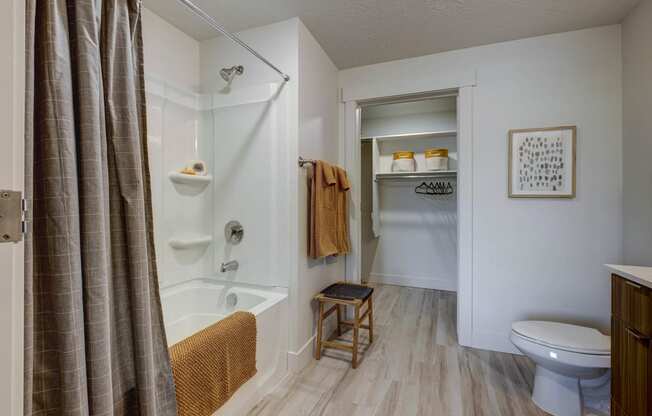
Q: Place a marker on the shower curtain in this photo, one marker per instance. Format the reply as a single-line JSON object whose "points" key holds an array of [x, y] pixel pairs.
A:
{"points": [[94, 337]]}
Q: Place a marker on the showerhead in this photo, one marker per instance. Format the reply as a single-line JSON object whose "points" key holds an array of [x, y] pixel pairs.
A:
{"points": [[228, 74]]}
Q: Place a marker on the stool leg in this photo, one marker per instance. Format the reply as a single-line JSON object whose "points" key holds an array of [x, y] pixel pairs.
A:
{"points": [[339, 320], [356, 331], [371, 319], [319, 330]]}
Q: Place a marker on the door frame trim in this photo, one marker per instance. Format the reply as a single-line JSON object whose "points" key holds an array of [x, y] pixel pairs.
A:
{"points": [[13, 177], [350, 158]]}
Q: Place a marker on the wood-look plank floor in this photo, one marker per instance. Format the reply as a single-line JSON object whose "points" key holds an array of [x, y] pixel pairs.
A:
{"points": [[414, 368]]}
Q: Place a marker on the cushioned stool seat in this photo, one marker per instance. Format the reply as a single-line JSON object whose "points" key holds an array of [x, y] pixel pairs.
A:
{"points": [[346, 291], [343, 294]]}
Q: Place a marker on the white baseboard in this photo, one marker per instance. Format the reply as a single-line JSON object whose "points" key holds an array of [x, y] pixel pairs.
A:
{"points": [[298, 360], [414, 281], [494, 341]]}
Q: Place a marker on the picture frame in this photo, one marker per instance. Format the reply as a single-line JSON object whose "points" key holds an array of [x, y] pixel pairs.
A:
{"points": [[542, 162]]}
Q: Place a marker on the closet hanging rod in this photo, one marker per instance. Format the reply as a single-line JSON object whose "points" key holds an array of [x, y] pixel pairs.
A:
{"points": [[303, 162], [212, 23], [416, 175]]}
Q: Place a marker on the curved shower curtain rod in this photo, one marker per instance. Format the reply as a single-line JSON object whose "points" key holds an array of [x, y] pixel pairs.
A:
{"points": [[212, 23]]}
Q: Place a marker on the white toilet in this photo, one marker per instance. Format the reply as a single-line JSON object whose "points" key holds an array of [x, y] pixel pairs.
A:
{"points": [[572, 366]]}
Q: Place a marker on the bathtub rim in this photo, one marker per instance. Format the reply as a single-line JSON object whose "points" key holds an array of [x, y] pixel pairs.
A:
{"points": [[271, 296]]}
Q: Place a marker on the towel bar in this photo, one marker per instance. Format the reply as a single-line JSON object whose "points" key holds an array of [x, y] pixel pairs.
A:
{"points": [[303, 162]]}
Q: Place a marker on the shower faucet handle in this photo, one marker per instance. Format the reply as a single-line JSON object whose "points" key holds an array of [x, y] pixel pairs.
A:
{"points": [[234, 232]]}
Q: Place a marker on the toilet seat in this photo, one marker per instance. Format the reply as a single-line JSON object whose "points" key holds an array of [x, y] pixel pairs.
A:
{"points": [[565, 337], [558, 359]]}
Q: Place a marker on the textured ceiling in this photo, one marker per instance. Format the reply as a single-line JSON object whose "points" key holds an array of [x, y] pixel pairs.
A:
{"points": [[362, 32]]}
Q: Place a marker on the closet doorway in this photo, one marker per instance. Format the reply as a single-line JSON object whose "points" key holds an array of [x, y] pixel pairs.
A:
{"points": [[408, 154], [411, 220]]}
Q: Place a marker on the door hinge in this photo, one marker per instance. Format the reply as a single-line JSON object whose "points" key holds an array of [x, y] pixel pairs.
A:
{"points": [[12, 216]]}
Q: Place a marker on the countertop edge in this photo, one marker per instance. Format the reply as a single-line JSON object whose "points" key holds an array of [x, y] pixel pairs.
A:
{"points": [[637, 274]]}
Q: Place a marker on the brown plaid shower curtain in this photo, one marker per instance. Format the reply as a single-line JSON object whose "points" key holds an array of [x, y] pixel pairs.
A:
{"points": [[94, 337]]}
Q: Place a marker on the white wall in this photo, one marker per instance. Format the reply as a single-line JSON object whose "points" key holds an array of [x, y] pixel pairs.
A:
{"points": [[532, 258], [418, 242], [409, 123], [637, 135], [318, 139], [170, 54], [278, 42]]}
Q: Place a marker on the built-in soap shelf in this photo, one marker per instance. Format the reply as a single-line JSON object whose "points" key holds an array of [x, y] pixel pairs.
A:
{"points": [[185, 179], [189, 243]]}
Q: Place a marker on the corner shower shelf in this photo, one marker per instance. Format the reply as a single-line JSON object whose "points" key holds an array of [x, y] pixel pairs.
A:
{"points": [[443, 133], [199, 242], [196, 180], [417, 175]]}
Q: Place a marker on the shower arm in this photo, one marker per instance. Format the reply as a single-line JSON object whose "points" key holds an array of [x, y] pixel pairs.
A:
{"points": [[212, 23]]}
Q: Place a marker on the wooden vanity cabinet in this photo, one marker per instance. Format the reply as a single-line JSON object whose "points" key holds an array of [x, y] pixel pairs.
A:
{"points": [[631, 348]]}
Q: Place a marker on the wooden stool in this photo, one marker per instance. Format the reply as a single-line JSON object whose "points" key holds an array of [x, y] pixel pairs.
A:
{"points": [[343, 294]]}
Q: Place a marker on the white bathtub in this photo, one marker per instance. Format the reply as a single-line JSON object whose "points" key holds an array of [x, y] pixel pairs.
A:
{"points": [[193, 305]]}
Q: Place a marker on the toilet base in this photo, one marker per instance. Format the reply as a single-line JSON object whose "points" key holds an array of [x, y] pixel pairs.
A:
{"points": [[596, 395], [557, 394]]}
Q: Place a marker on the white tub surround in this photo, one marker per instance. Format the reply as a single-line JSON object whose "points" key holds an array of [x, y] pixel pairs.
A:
{"points": [[191, 306], [638, 274]]}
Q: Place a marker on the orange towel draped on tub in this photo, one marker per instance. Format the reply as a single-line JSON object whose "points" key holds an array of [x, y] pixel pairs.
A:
{"points": [[210, 365], [328, 211]]}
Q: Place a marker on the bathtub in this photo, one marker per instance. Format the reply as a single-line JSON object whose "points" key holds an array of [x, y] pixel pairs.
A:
{"points": [[195, 304]]}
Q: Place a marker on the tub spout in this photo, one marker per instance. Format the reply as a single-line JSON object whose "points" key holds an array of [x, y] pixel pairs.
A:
{"points": [[229, 266]]}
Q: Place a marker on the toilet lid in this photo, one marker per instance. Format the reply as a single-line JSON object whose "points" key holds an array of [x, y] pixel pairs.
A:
{"points": [[566, 337]]}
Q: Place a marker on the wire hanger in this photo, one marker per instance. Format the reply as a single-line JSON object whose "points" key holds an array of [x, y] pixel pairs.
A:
{"points": [[438, 188], [423, 189]]}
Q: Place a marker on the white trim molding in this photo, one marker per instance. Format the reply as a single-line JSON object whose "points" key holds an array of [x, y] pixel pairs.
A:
{"points": [[298, 360], [12, 177], [467, 119], [494, 341], [351, 160], [423, 282], [402, 85]]}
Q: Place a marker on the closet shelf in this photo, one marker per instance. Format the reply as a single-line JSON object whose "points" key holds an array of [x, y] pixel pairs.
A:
{"points": [[416, 175], [185, 244], [443, 133], [184, 179]]}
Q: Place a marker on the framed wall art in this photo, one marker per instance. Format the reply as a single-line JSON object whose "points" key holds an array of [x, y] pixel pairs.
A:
{"points": [[542, 162]]}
